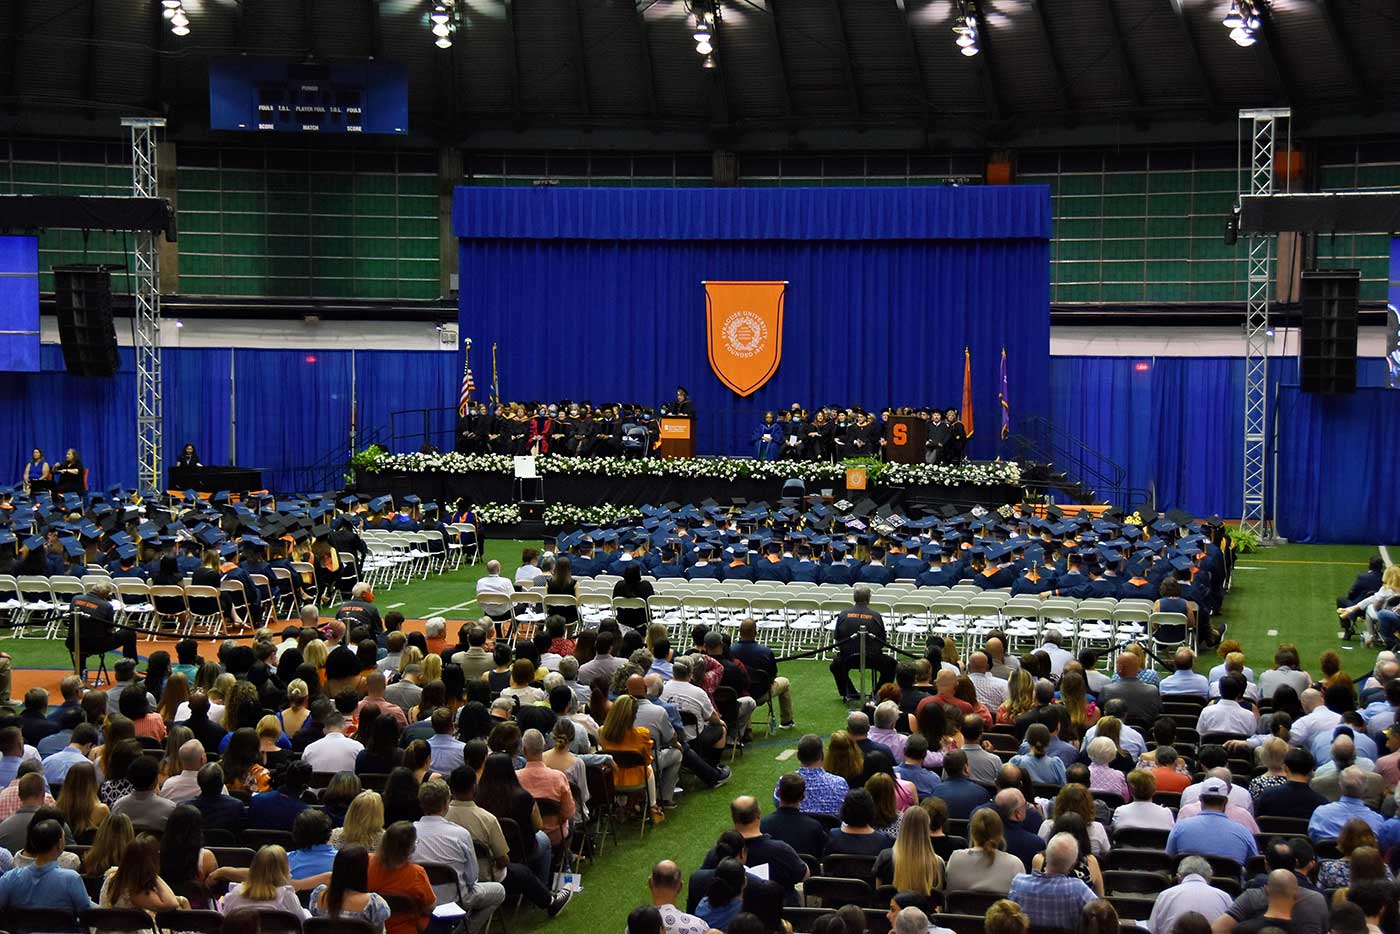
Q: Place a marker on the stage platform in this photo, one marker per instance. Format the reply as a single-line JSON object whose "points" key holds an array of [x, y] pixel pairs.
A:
{"points": [[599, 489]]}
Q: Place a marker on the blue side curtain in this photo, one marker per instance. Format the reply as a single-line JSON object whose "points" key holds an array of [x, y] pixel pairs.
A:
{"points": [[389, 381], [55, 411], [196, 401], [293, 411], [1337, 470]]}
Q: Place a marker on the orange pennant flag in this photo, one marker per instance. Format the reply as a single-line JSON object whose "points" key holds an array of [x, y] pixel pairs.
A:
{"points": [[967, 392]]}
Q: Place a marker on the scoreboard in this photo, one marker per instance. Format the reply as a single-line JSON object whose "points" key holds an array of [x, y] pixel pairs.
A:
{"points": [[282, 96]]}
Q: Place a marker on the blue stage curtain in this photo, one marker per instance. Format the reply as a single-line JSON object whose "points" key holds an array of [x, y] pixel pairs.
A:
{"points": [[388, 381], [196, 399], [867, 322], [1338, 472], [55, 411], [944, 213], [293, 412]]}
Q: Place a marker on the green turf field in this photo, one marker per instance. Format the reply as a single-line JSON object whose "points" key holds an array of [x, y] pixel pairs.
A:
{"points": [[1283, 593]]}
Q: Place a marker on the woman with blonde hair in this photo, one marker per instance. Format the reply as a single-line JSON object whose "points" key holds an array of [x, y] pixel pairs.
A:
{"points": [[269, 885], [1020, 698], [1270, 755], [620, 732], [911, 865], [364, 823], [560, 759], [984, 866], [432, 668], [77, 799], [297, 709], [114, 835], [315, 654], [844, 758], [411, 655]]}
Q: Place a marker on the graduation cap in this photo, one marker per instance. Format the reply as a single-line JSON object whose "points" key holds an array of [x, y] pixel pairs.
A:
{"points": [[228, 550], [7, 537], [1149, 516], [220, 498], [410, 500], [126, 552], [148, 529], [320, 531], [72, 547], [210, 535], [1182, 563], [1164, 526], [1179, 517], [252, 541], [300, 534], [842, 505], [430, 508]]}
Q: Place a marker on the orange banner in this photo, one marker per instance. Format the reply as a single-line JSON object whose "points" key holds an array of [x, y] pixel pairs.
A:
{"points": [[744, 332]]}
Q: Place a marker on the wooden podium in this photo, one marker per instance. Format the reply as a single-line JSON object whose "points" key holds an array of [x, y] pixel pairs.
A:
{"points": [[677, 436], [907, 438]]}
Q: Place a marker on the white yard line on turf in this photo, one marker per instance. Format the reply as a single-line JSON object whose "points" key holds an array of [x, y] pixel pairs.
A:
{"points": [[395, 606], [1385, 555], [448, 609], [785, 755]]}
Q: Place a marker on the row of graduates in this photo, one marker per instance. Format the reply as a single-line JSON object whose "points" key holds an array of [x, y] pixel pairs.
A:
{"points": [[831, 433], [1044, 557], [578, 430]]}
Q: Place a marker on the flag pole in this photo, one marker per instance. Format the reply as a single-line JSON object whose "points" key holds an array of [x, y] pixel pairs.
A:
{"points": [[495, 379], [466, 368]]}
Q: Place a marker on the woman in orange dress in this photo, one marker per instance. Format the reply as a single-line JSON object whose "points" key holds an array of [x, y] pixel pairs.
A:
{"points": [[620, 733]]}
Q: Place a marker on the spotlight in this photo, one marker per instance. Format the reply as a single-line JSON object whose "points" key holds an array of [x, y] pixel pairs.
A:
{"points": [[443, 42], [1244, 38], [702, 32], [1233, 19], [965, 28], [443, 22], [170, 4], [439, 14], [708, 63], [179, 19], [181, 30], [442, 30], [970, 50], [704, 48], [168, 12]]}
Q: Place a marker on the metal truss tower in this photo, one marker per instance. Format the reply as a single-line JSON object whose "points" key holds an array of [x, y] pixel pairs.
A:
{"points": [[1263, 127], [149, 408]]}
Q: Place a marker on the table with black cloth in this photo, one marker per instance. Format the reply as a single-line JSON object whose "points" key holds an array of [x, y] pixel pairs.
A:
{"points": [[214, 477]]}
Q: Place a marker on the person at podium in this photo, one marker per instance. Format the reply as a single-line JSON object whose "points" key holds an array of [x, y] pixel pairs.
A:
{"points": [[937, 437], [682, 407], [767, 439], [189, 457]]}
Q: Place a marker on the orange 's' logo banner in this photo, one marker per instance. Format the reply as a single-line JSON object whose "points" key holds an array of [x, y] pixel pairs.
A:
{"points": [[744, 332]]}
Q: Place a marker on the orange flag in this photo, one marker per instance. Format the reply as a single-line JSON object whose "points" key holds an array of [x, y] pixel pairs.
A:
{"points": [[967, 392]]}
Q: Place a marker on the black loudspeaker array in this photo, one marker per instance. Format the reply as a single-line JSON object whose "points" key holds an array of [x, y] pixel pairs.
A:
{"points": [[1327, 361], [83, 295]]}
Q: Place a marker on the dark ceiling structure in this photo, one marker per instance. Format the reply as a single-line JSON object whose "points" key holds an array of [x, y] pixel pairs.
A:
{"points": [[788, 73]]}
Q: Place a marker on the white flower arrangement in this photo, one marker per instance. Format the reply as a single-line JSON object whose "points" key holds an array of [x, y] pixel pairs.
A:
{"points": [[559, 514], [980, 473]]}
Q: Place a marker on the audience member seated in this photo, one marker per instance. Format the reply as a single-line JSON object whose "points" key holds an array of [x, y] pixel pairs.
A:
{"points": [[1052, 898], [1211, 832], [43, 883], [1142, 701], [787, 823], [957, 790], [984, 866], [1184, 681], [857, 834], [1141, 813]]}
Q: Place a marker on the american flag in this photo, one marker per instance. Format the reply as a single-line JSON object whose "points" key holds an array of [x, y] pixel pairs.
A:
{"points": [[467, 383]]}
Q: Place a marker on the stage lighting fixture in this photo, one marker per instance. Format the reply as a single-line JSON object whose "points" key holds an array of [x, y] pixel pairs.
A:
{"points": [[443, 21], [180, 30], [708, 63], [704, 25], [965, 28], [1243, 22], [179, 19]]}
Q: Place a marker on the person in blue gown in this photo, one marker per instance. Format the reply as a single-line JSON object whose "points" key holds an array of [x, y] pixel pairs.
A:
{"points": [[767, 439]]}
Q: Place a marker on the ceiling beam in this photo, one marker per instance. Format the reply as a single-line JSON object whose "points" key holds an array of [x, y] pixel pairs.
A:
{"points": [[719, 112], [376, 29], [1198, 66], [1360, 87], [911, 43], [848, 69], [585, 96], [16, 44], [1120, 52], [1265, 48], [516, 109], [769, 11], [1061, 82], [649, 85], [986, 66], [90, 59]]}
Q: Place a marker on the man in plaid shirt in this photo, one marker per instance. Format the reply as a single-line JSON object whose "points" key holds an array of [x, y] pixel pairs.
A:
{"points": [[1052, 898], [825, 792]]}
